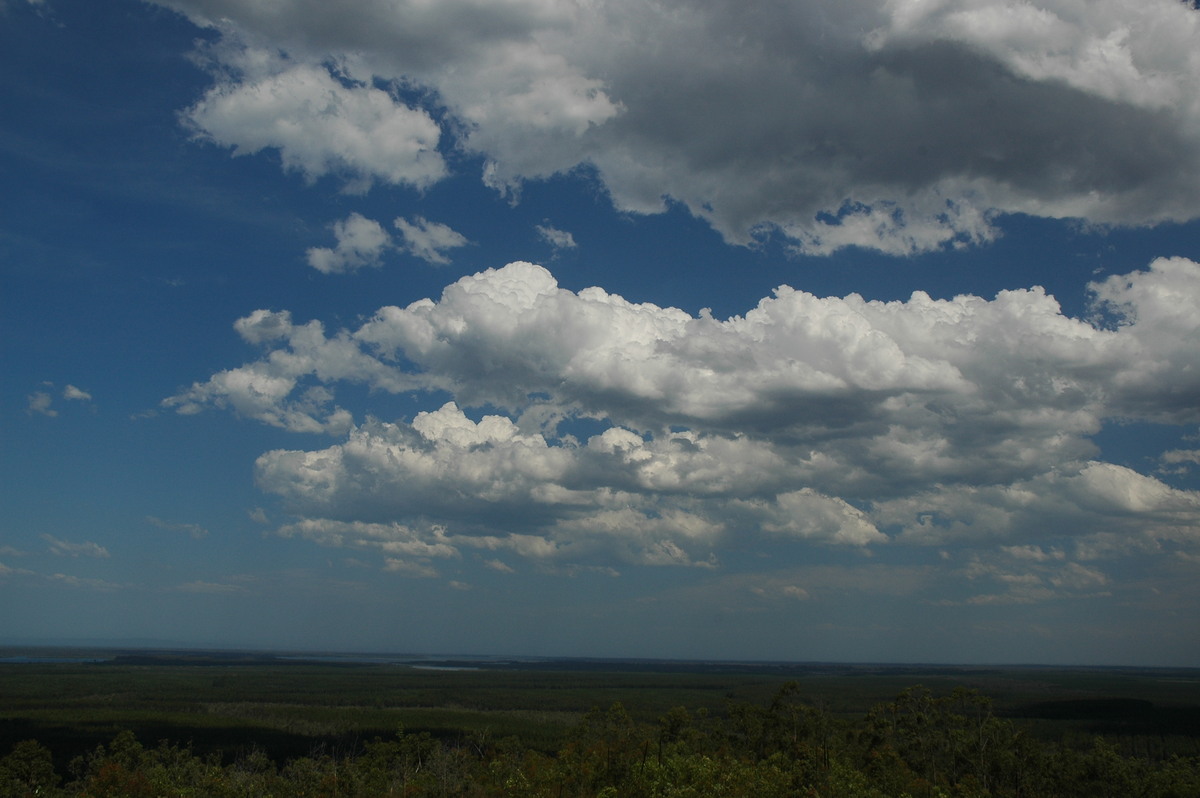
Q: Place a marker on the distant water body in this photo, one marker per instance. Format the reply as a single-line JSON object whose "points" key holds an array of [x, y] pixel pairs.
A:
{"points": [[351, 659]]}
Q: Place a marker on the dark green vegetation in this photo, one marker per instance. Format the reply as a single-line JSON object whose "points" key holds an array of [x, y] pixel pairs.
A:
{"points": [[244, 725]]}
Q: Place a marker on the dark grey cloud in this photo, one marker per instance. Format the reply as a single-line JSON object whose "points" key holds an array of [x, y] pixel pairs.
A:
{"points": [[903, 126]]}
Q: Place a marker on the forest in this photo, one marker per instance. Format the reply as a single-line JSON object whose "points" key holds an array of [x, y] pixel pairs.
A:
{"points": [[196, 726]]}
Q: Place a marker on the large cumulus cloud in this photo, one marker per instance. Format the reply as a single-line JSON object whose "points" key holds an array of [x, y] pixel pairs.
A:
{"points": [[902, 126], [828, 420]]}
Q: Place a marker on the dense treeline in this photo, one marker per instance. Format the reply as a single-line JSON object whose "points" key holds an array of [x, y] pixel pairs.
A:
{"points": [[917, 745]]}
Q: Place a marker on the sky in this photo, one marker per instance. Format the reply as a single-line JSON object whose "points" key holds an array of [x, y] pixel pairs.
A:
{"points": [[824, 330]]}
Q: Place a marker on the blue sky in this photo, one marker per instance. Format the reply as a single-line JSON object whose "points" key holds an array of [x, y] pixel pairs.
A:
{"points": [[745, 330]]}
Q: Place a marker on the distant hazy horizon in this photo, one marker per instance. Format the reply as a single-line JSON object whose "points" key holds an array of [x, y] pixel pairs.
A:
{"points": [[76, 649]]}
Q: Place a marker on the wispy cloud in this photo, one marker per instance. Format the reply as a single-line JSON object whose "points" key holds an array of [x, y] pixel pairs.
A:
{"points": [[428, 240], [64, 548], [499, 565], [1027, 579], [194, 530], [1179, 461], [41, 402], [76, 394], [211, 588], [559, 239], [410, 568], [84, 583], [7, 571]]}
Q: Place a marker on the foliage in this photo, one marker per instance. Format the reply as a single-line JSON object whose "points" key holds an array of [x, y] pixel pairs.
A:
{"points": [[918, 745], [27, 770]]}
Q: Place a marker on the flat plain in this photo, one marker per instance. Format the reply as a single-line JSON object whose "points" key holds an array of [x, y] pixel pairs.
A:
{"points": [[227, 703]]}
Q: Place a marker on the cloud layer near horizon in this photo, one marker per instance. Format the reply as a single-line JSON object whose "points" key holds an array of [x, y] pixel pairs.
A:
{"points": [[902, 126], [829, 420]]}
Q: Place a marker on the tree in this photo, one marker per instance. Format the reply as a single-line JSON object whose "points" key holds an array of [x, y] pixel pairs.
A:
{"points": [[27, 770]]}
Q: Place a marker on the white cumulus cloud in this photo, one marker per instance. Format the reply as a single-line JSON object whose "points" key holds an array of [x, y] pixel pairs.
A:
{"points": [[360, 242], [318, 123], [831, 420], [285, 389]]}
